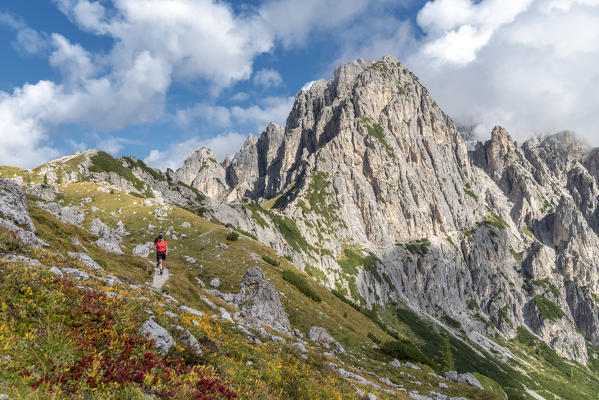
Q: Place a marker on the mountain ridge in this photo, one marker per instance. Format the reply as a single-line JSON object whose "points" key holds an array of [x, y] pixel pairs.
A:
{"points": [[371, 190]]}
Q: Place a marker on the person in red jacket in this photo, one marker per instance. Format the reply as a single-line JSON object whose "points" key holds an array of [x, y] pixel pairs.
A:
{"points": [[161, 251]]}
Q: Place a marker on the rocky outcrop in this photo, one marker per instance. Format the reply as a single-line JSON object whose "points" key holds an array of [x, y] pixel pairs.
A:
{"points": [[258, 299], [203, 172], [14, 215], [153, 331], [13, 206], [465, 379], [99, 228]]}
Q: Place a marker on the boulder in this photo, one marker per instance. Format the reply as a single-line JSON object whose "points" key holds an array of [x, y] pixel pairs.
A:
{"points": [[22, 259], [141, 250], [71, 215], [189, 340], [153, 331], [46, 193], [13, 206], [109, 246], [87, 260], [192, 311], [465, 379], [258, 298], [99, 228], [321, 336], [161, 212], [76, 273], [215, 282]]}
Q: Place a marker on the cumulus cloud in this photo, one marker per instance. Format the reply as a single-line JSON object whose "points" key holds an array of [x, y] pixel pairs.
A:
{"points": [[156, 43], [174, 155], [533, 71], [267, 78], [527, 65], [255, 117], [28, 40]]}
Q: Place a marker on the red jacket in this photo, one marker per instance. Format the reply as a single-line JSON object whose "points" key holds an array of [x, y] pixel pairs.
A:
{"points": [[161, 246]]}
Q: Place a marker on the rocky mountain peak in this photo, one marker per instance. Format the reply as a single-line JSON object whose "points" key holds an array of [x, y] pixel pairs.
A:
{"points": [[202, 171]]}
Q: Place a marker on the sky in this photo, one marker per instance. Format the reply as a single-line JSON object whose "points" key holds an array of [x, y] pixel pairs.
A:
{"points": [[157, 79]]}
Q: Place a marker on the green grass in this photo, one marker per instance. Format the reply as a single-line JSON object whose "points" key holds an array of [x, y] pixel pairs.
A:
{"points": [[518, 255], [301, 284], [257, 211], [321, 201], [496, 221], [375, 130], [104, 162], [451, 322], [470, 193], [352, 260], [404, 350], [545, 283], [489, 384], [271, 261], [548, 309], [527, 232], [201, 197]]}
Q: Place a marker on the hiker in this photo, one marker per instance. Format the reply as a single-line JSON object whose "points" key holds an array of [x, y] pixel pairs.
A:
{"points": [[161, 251]]}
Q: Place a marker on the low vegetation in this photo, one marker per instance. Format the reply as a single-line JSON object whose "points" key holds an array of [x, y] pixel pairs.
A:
{"points": [[301, 284], [104, 162], [271, 261], [232, 236], [548, 309], [420, 246]]}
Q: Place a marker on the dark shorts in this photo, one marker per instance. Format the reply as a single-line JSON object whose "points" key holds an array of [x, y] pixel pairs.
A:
{"points": [[160, 256]]}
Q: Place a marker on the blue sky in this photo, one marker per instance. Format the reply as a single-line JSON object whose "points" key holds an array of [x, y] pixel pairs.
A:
{"points": [[158, 78]]}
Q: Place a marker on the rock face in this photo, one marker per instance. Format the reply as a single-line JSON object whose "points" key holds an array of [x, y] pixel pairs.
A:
{"points": [[368, 161], [373, 186], [258, 298]]}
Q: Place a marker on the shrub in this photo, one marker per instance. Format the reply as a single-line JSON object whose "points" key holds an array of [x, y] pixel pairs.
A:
{"points": [[403, 349], [274, 263], [548, 309], [301, 284], [419, 247], [135, 194], [373, 338], [232, 236]]}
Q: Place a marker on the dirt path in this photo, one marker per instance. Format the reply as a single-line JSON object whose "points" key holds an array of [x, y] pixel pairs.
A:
{"points": [[159, 280]]}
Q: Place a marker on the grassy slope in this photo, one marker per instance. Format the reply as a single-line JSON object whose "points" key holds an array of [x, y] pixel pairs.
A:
{"points": [[347, 325], [276, 370]]}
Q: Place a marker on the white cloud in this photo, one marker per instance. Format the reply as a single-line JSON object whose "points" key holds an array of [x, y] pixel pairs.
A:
{"points": [[527, 65], [240, 96], [267, 78], [308, 85], [156, 42], [28, 40], [293, 22], [269, 109], [535, 73], [460, 28], [223, 145]]}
